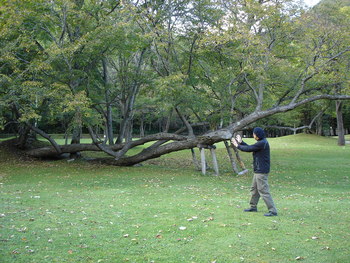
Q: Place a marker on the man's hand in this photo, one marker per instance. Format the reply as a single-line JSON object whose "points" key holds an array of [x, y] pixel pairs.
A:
{"points": [[234, 142], [239, 138]]}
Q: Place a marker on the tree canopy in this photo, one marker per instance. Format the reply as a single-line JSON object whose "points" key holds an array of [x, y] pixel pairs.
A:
{"points": [[202, 70]]}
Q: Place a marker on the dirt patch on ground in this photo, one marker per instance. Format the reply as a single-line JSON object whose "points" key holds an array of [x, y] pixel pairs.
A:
{"points": [[9, 150]]}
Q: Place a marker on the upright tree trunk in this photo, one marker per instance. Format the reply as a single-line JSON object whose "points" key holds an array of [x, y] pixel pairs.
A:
{"points": [[123, 128], [66, 135], [23, 136], [340, 123], [142, 128], [109, 124], [109, 118], [76, 140], [128, 113], [128, 132], [319, 125], [76, 135], [128, 106]]}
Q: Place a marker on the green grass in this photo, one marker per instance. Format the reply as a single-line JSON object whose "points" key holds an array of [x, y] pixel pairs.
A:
{"points": [[59, 211]]}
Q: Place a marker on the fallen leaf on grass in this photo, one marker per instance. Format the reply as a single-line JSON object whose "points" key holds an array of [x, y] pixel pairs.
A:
{"points": [[23, 229], [192, 218], [299, 258], [182, 228], [208, 219], [83, 246]]}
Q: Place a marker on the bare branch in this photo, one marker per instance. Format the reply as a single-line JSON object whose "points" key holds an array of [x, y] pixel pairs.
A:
{"points": [[251, 87], [295, 129], [187, 124]]}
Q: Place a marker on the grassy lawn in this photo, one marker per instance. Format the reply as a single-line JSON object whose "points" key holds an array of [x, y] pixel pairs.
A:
{"points": [[166, 211]]}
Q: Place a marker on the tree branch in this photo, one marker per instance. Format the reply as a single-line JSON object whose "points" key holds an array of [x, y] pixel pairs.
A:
{"points": [[46, 136], [297, 128], [100, 145], [187, 124]]}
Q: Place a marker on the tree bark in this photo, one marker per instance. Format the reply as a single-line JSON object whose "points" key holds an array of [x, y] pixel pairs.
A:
{"points": [[23, 136], [319, 124], [108, 116], [76, 140], [142, 128], [340, 123]]}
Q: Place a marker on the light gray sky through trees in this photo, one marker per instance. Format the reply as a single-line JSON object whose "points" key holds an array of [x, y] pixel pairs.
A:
{"points": [[311, 2]]}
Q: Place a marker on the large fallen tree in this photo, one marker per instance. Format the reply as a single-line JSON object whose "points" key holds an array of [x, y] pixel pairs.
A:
{"points": [[166, 143]]}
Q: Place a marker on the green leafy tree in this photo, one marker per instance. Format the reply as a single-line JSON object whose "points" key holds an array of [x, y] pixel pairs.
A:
{"points": [[225, 65]]}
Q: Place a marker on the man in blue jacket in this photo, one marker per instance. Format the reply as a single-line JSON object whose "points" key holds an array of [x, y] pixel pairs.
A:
{"points": [[261, 163]]}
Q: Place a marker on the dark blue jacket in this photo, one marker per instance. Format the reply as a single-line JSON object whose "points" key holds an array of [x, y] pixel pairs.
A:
{"points": [[261, 155]]}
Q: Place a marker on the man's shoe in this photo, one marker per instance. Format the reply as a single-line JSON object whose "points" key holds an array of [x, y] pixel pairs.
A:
{"points": [[252, 209], [271, 214]]}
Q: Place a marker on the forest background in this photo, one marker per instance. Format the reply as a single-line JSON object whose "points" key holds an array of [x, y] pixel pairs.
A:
{"points": [[181, 74]]}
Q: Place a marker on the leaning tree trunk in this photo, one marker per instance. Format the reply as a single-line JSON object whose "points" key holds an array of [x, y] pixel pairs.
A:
{"points": [[340, 123]]}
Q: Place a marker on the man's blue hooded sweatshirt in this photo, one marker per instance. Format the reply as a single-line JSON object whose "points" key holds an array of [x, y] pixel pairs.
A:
{"points": [[261, 152]]}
